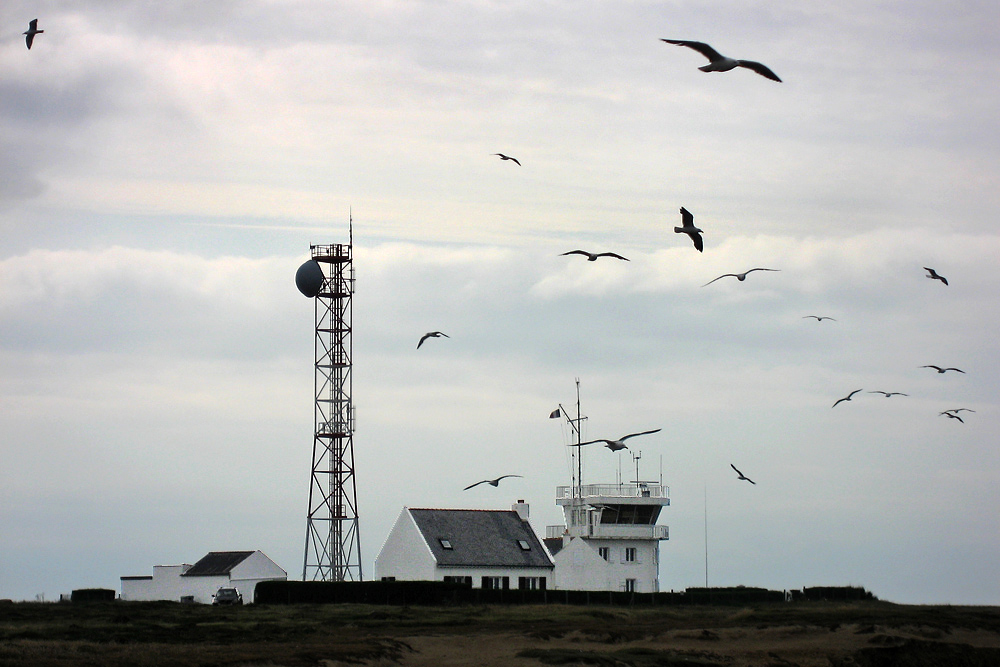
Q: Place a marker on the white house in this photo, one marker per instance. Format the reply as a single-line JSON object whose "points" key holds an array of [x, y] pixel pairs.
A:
{"points": [[611, 541], [199, 582], [486, 548]]}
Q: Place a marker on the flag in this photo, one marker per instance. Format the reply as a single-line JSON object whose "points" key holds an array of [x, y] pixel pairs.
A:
{"points": [[555, 414]]}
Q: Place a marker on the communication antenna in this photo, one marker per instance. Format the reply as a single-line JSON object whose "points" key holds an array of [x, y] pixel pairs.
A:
{"points": [[333, 545]]}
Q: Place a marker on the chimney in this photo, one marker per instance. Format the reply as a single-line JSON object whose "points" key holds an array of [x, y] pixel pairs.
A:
{"points": [[521, 508]]}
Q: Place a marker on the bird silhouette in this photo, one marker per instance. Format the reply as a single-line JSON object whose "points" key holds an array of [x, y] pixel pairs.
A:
{"points": [[720, 63], [741, 475], [818, 318], [931, 273], [592, 256], [29, 34], [953, 416], [615, 445], [957, 410], [431, 334], [943, 370], [845, 398], [507, 157], [739, 276], [887, 394], [491, 482], [687, 227]]}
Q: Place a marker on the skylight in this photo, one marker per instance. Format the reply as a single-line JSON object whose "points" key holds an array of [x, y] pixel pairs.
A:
{"points": [[445, 544], [524, 545]]}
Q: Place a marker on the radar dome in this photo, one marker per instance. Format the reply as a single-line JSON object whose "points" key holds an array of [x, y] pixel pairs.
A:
{"points": [[309, 278]]}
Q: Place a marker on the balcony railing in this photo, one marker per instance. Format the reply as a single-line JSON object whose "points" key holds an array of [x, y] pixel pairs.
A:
{"points": [[612, 532], [630, 490]]}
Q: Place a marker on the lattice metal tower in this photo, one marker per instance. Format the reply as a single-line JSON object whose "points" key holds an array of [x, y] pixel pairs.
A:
{"points": [[333, 546]]}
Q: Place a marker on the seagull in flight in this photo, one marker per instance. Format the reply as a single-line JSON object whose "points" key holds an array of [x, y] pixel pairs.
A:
{"points": [[29, 34], [739, 276], [431, 334], [687, 227], [845, 398], [952, 415], [720, 63], [615, 445], [818, 318], [942, 370], [491, 482], [957, 410], [931, 273], [592, 256], [507, 157], [887, 394], [741, 475]]}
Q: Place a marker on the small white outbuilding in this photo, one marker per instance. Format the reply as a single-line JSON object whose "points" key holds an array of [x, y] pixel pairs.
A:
{"points": [[199, 582]]}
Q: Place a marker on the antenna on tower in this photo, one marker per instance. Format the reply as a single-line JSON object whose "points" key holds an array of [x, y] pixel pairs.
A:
{"points": [[333, 544]]}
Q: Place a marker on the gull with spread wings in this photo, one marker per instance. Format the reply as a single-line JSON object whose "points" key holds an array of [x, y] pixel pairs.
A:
{"points": [[720, 63], [741, 475], [491, 482], [592, 256], [739, 276], [845, 398], [615, 445], [431, 334], [687, 227]]}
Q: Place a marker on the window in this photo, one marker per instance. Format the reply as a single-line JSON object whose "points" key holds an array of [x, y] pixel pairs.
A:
{"points": [[603, 552], [445, 544], [629, 554], [531, 583], [458, 580], [496, 583], [524, 545], [630, 585], [388, 578]]}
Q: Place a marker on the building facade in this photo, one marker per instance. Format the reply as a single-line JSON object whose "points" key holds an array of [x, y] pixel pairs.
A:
{"points": [[485, 548], [199, 582], [610, 541]]}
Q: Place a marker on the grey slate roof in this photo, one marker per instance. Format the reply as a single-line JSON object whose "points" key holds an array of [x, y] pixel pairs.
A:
{"points": [[217, 562], [480, 538]]}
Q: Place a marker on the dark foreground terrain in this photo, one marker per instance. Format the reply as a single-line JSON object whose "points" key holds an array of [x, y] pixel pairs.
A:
{"points": [[865, 634]]}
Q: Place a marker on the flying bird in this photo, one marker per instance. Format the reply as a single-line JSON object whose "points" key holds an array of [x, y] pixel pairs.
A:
{"points": [[887, 394], [491, 482], [29, 34], [818, 318], [942, 370], [741, 475], [431, 334], [592, 256], [720, 63], [687, 227], [739, 276], [507, 157], [931, 273], [953, 416], [615, 445], [845, 398], [957, 410]]}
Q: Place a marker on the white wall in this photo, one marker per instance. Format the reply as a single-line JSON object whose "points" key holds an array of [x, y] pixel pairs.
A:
{"points": [[405, 555], [580, 567], [255, 568], [168, 584]]}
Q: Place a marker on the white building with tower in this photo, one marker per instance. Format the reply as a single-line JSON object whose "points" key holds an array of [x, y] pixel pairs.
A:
{"points": [[611, 539]]}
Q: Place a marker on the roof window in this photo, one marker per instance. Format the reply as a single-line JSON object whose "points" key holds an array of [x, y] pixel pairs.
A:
{"points": [[445, 544], [524, 545]]}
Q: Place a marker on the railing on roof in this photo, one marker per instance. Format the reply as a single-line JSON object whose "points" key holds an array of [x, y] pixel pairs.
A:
{"points": [[629, 490]]}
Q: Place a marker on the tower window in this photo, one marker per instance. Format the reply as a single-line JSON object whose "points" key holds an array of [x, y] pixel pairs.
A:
{"points": [[603, 552], [629, 554]]}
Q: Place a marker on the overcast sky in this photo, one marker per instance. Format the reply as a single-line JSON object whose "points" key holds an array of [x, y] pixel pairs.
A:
{"points": [[165, 167]]}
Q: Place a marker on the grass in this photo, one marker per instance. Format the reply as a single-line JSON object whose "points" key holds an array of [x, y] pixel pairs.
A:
{"points": [[162, 633]]}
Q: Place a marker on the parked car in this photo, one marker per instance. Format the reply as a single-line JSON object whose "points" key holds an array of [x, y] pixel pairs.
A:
{"points": [[227, 596]]}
